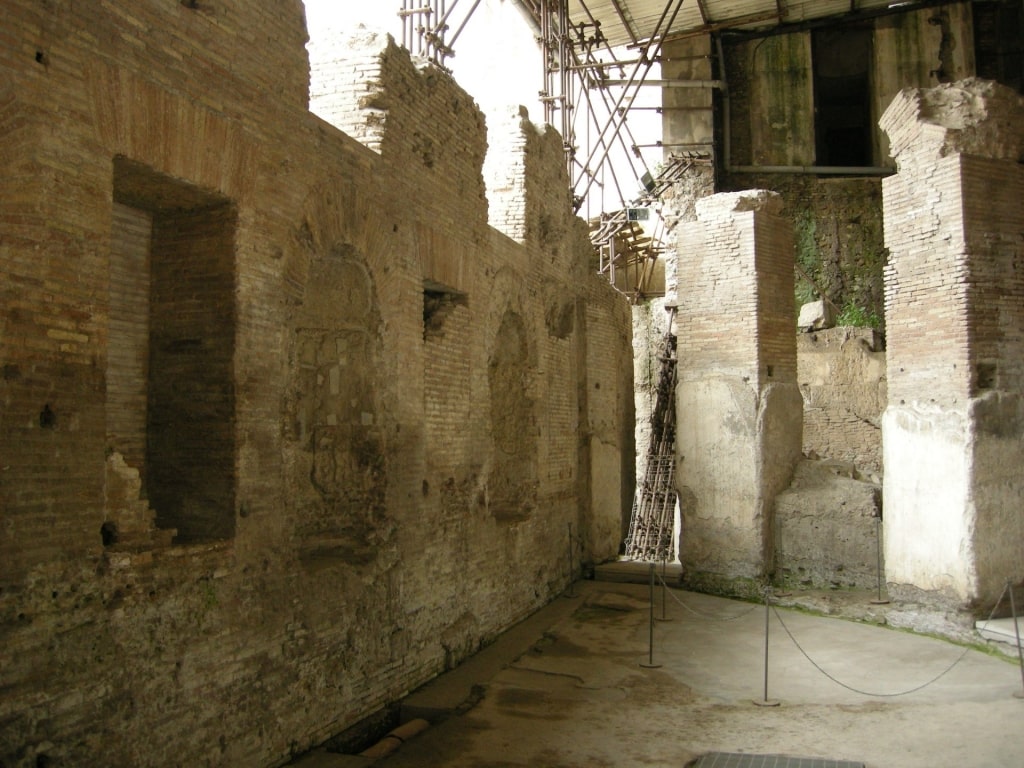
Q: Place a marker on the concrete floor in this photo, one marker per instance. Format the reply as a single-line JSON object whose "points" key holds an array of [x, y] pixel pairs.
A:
{"points": [[568, 688]]}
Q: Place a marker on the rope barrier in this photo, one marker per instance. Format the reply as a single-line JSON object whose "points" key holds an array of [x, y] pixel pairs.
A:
{"points": [[858, 690], [915, 689], [707, 616], [807, 656]]}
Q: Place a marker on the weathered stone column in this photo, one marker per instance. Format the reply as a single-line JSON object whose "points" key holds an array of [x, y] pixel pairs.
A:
{"points": [[953, 431], [739, 409]]}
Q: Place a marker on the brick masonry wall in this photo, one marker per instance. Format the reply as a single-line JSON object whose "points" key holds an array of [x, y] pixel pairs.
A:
{"points": [[191, 408], [837, 220], [738, 406], [362, 557], [127, 359], [925, 309], [730, 263], [842, 380], [953, 302], [837, 232]]}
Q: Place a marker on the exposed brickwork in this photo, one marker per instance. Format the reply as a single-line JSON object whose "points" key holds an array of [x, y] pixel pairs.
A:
{"points": [[842, 380], [837, 232], [739, 409], [351, 553], [127, 358], [827, 528], [954, 298], [731, 265]]}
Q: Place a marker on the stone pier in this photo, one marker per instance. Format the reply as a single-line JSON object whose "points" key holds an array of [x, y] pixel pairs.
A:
{"points": [[953, 431], [739, 406]]}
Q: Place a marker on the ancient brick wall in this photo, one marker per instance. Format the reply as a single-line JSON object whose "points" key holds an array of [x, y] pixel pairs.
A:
{"points": [[837, 219], [316, 368], [952, 428], [842, 380], [838, 239], [738, 405], [724, 258]]}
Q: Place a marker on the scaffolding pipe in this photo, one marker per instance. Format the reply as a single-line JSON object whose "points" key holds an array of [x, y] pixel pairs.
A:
{"points": [[591, 59], [645, 58], [465, 21], [619, 137], [675, 144], [669, 83]]}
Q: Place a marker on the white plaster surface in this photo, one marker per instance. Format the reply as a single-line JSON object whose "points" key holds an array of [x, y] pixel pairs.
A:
{"points": [[718, 475], [927, 511]]}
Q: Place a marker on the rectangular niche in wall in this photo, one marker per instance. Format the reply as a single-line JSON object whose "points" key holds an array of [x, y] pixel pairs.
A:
{"points": [[448, 338], [842, 96], [173, 333]]}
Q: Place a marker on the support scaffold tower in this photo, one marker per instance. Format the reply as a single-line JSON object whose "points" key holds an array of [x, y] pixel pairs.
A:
{"points": [[654, 505]]}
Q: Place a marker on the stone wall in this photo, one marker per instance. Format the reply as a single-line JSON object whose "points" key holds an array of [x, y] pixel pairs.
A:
{"points": [[288, 428], [827, 528], [842, 380], [770, 141], [841, 375], [952, 431], [738, 404]]}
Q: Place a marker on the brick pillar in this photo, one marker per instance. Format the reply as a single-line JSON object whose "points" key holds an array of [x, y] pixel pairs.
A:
{"points": [[739, 408], [953, 431]]}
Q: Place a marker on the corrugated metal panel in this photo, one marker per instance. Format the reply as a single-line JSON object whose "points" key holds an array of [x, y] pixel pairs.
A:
{"points": [[632, 21], [689, 17], [801, 10], [625, 22]]}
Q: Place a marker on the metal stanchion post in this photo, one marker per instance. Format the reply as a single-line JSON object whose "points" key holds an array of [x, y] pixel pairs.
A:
{"points": [[765, 701], [650, 653], [1016, 628], [878, 561], [664, 590]]}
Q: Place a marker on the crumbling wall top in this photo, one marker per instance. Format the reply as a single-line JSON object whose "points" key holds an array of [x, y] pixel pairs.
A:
{"points": [[972, 116], [725, 203], [407, 110]]}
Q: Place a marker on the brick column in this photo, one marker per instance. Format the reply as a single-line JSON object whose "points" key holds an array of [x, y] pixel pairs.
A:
{"points": [[953, 431], [739, 408]]}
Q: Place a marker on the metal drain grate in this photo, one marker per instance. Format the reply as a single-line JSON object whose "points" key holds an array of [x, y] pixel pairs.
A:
{"points": [[730, 760]]}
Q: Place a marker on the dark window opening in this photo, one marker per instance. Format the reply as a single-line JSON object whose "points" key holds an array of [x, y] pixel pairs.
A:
{"points": [[843, 125], [999, 43], [176, 425], [986, 378], [109, 534], [438, 302]]}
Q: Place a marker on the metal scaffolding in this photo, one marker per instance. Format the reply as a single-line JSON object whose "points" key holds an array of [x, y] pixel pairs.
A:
{"points": [[654, 505], [628, 252], [577, 61], [589, 91], [426, 25]]}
